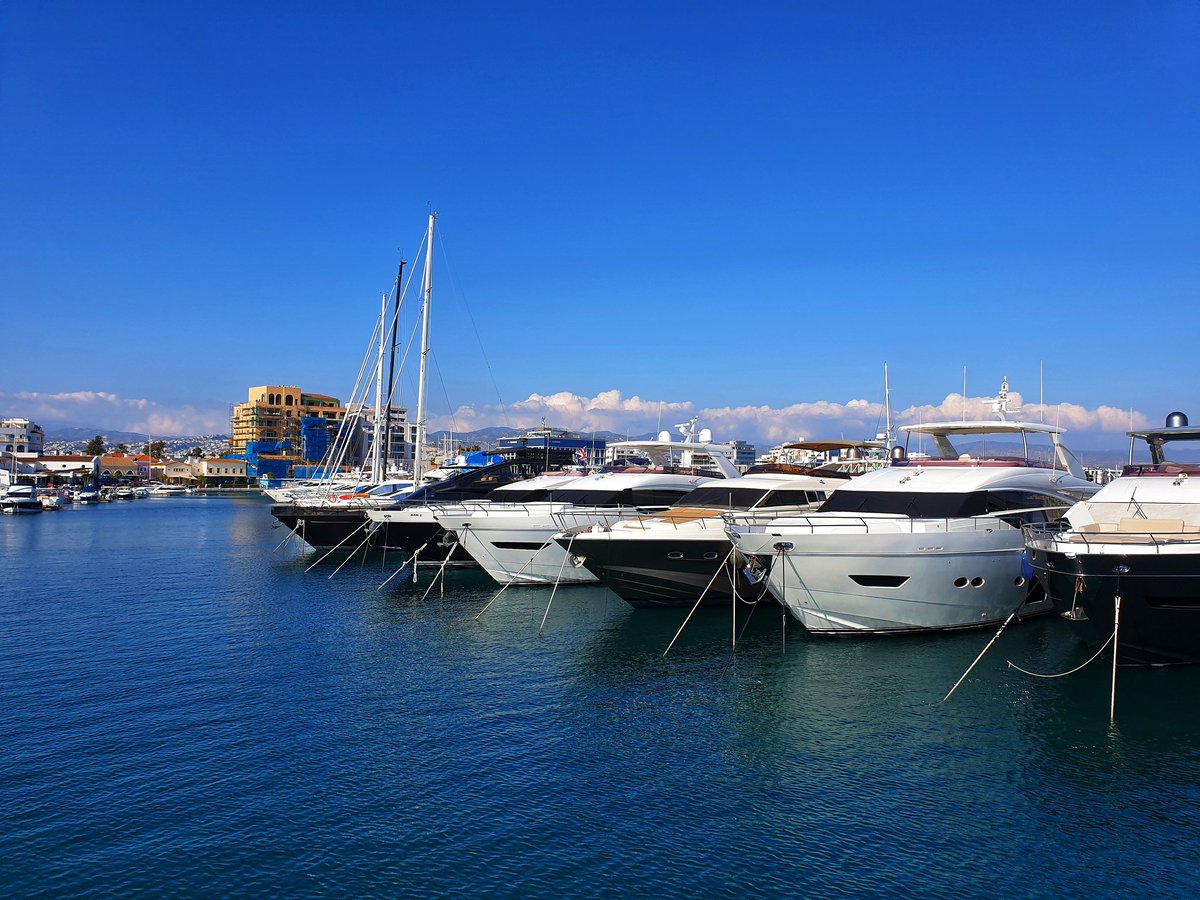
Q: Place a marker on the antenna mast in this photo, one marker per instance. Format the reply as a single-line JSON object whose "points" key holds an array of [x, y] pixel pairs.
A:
{"points": [[387, 428], [427, 291], [377, 466]]}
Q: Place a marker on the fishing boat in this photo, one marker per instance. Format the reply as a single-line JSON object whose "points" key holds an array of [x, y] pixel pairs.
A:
{"points": [[1125, 563]]}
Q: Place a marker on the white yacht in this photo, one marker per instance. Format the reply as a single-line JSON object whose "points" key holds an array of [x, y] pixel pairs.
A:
{"points": [[515, 541], [50, 499], [17, 499], [672, 557], [1139, 538], [86, 495], [412, 528], [932, 542]]}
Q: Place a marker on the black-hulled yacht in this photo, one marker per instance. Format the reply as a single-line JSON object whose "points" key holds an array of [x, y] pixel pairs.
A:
{"points": [[1137, 539]]}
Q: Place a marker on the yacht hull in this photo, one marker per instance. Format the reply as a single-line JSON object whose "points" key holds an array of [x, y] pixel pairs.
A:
{"points": [[667, 573], [524, 554], [404, 531], [1160, 601], [899, 583], [324, 529]]}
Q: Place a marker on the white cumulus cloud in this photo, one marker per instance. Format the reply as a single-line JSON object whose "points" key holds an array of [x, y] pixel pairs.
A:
{"points": [[766, 425], [108, 411]]}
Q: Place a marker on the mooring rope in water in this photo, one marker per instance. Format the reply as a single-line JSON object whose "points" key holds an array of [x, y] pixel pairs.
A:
{"points": [[343, 540], [291, 534], [440, 574], [733, 604], [699, 600], [404, 565], [352, 555], [1114, 639], [995, 637], [496, 596], [1103, 647], [566, 556], [1116, 642]]}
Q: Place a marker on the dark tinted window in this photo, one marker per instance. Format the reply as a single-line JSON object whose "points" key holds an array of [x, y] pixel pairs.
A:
{"points": [[515, 495], [918, 506], [628, 497], [722, 497], [1032, 504], [792, 498], [469, 485]]}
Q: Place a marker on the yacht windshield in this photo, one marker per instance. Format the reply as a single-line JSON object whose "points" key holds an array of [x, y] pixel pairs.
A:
{"points": [[527, 495], [728, 497], [659, 496], [915, 505], [1024, 506]]}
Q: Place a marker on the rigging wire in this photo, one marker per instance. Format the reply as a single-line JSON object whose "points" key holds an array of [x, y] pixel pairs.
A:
{"points": [[471, 318]]}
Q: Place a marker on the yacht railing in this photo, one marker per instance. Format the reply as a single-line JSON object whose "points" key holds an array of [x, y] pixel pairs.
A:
{"points": [[1059, 536], [843, 523]]}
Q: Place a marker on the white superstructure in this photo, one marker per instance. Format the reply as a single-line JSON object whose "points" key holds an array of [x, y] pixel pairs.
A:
{"points": [[515, 542], [928, 543]]}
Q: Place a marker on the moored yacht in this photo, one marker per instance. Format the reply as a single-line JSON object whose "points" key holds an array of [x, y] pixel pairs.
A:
{"points": [[18, 499], [1137, 539], [18, 489], [412, 528], [50, 499], [515, 541], [671, 557], [932, 542]]}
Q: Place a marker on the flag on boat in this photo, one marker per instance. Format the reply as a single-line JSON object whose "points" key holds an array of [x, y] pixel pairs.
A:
{"points": [[581, 456]]}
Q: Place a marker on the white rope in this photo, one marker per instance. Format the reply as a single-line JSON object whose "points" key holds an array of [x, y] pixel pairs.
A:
{"points": [[291, 534], [566, 556], [1064, 674], [699, 600], [342, 541], [440, 574], [352, 555], [496, 596], [404, 565], [995, 638]]}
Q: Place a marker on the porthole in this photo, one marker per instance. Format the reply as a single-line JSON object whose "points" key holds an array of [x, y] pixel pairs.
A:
{"points": [[976, 581], [675, 554], [710, 555], [960, 582], [1019, 581]]}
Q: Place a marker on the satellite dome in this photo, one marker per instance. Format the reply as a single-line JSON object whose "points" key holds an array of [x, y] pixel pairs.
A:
{"points": [[1177, 420]]}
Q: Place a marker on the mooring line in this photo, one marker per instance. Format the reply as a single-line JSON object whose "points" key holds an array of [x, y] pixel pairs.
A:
{"points": [[699, 600], [343, 540]]}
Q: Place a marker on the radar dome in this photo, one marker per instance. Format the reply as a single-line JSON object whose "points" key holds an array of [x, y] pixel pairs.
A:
{"points": [[1177, 420]]}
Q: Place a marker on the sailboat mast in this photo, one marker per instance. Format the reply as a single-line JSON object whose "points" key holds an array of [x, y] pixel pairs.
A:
{"points": [[427, 292], [887, 406], [377, 435], [387, 426]]}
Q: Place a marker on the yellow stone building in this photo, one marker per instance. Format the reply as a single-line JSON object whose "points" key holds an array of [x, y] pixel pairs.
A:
{"points": [[273, 412]]}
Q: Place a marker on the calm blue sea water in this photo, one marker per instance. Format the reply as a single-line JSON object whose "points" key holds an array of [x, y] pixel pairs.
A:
{"points": [[187, 712]]}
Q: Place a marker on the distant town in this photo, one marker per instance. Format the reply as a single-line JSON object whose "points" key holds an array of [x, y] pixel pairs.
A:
{"points": [[280, 432]]}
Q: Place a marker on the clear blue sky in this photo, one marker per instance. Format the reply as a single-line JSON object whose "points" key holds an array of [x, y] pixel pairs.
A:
{"points": [[703, 204]]}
